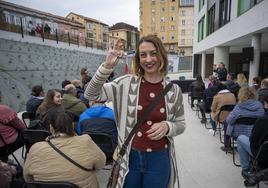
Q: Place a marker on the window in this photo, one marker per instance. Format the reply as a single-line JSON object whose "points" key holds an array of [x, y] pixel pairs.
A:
{"points": [[172, 18], [172, 37], [201, 27], [162, 28], [225, 12], [201, 4], [186, 2], [173, 0], [183, 12], [153, 2], [245, 5], [163, 19], [153, 10], [211, 19], [182, 22], [173, 8], [162, 9], [171, 47], [172, 28], [182, 41], [163, 38], [183, 32]]}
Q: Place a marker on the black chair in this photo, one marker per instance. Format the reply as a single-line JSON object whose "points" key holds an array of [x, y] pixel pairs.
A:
{"points": [[105, 143], [224, 108], [32, 136], [250, 121], [43, 184], [27, 115]]}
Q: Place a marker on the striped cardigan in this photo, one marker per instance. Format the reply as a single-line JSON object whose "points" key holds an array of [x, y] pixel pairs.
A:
{"points": [[124, 92]]}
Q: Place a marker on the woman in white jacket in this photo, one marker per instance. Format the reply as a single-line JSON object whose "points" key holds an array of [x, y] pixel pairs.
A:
{"points": [[150, 159]]}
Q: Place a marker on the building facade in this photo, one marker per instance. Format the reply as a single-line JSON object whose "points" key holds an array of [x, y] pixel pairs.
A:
{"points": [[18, 18], [225, 29], [128, 33], [172, 22], [96, 31]]}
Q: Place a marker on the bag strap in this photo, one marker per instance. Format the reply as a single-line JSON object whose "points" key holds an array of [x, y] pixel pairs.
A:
{"points": [[146, 113], [68, 158]]}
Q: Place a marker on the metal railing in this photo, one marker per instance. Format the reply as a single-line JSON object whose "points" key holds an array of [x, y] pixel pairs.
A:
{"points": [[56, 36]]}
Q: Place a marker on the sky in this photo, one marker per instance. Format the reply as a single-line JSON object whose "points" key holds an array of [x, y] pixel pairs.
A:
{"points": [[106, 11]]}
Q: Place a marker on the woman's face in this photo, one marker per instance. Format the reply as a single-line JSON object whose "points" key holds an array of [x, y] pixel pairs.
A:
{"points": [[148, 59], [57, 99]]}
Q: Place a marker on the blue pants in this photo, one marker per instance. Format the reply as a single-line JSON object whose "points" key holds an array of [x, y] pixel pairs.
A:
{"points": [[243, 147], [148, 169]]}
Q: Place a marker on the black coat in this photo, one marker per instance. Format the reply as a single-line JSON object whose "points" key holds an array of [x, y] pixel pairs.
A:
{"points": [[258, 136]]}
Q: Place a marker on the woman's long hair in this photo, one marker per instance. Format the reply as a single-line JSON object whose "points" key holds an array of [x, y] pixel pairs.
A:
{"points": [[48, 101]]}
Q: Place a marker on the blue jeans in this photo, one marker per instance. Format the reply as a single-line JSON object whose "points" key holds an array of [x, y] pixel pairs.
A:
{"points": [[148, 169], [243, 147]]}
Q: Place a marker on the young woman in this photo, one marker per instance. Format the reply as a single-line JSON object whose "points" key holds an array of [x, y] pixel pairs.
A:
{"points": [[150, 159], [53, 98]]}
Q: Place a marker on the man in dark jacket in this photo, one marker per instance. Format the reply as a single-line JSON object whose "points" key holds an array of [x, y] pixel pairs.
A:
{"points": [[221, 71], [36, 99]]}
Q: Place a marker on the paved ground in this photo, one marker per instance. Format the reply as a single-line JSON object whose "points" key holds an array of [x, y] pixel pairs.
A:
{"points": [[201, 163]]}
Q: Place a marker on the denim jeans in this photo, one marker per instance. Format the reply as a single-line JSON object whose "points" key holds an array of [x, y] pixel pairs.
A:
{"points": [[243, 147], [148, 169]]}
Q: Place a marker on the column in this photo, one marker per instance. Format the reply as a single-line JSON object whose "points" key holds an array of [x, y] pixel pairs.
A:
{"points": [[255, 64], [203, 65], [221, 54]]}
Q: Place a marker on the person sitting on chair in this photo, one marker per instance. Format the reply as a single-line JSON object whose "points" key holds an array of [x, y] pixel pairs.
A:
{"points": [[43, 163], [10, 132], [70, 102], [248, 106], [98, 119], [246, 146], [36, 99]]}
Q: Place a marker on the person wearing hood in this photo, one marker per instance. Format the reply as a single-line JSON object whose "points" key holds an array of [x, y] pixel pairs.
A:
{"points": [[71, 102], [247, 106], [98, 119]]}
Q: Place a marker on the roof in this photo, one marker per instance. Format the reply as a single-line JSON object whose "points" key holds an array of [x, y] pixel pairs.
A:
{"points": [[87, 18], [122, 25], [36, 13]]}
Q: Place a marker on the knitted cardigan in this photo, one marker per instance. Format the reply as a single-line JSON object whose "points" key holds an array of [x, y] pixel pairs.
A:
{"points": [[124, 92]]}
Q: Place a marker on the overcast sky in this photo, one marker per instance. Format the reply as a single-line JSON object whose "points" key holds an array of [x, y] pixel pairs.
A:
{"points": [[106, 11]]}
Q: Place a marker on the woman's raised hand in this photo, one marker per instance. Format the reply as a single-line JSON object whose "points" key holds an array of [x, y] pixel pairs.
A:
{"points": [[113, 56]]}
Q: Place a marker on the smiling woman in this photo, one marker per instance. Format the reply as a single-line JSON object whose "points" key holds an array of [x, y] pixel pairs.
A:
{"points": [[152, 144]]}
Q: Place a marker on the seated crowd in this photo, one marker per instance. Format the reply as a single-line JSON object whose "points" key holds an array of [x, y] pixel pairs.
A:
{"points": [[243, 101], [69, 121]]}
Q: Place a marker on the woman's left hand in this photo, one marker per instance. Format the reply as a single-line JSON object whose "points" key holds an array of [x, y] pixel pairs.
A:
{"points": [[157, 131]]}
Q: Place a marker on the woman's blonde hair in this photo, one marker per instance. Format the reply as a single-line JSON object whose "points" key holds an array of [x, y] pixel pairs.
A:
{"points": [[161, 55], [246, 93], [241, 79]]}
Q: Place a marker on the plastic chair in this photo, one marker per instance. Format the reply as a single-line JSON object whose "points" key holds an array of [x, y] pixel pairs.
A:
{"points": [[250, 121], [224, 108], [29, 116], [30, 137], [43, 184], [105, 143]]}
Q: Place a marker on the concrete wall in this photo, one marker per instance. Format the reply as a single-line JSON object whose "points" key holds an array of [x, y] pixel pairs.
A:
{"points": [[24, 64]]}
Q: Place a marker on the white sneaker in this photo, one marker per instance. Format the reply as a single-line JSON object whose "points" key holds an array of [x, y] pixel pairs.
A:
{"points": [[211, 131]]}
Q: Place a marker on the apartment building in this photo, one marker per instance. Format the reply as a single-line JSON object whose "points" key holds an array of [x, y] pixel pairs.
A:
{"points": [[172, 22], [234, 32], [96, 32], [128, 33]]}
